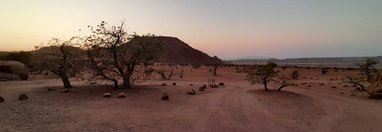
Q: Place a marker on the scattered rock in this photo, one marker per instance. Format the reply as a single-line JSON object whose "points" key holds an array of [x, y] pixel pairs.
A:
{"points": [[333, 87], [1, 99], [204, 86], [201, 89], [121, 95], [165, 96], [191, 92], [65, 90], [173, 83], [23, 97], [221, 84], [107, 95]]}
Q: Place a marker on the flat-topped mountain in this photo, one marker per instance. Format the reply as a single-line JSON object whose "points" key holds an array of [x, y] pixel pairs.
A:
{"points": [[327, 61]]}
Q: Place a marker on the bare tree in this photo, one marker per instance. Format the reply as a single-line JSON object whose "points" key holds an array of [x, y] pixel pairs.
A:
{"points": [[59, 57], [367, 68], [357, 82], [365, 76], [166, 71], [113, 54], [263, 74]]}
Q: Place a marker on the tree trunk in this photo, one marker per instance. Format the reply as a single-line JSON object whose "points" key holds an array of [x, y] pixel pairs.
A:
{"points": [[115, 84], [126, 81], [266, 86], [65, 80]]}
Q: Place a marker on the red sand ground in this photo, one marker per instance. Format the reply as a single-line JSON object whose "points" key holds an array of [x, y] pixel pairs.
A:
{"points": [[237, 106]]}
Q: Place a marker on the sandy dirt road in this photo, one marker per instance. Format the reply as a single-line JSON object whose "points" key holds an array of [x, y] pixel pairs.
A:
{"points": [[235, 107]]}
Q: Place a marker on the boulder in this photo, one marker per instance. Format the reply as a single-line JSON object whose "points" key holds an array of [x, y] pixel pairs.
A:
{"points": [[23, 97], [165, 96], [107, 95], [1, 99], [13, 70], [121, 95]]}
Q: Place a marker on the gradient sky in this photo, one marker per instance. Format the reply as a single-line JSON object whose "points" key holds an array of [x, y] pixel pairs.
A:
{"points": [[225, 28]]}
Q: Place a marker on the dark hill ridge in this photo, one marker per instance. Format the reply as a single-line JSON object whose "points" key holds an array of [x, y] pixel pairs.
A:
{"points": [[175, 51]]}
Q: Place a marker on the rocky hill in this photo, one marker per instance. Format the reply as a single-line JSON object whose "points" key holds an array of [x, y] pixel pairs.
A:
{"points": [[175, 51]]}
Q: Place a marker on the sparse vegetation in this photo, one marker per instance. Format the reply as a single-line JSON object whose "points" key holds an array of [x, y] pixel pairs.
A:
{"points": [[263, 74], [295, 74]]}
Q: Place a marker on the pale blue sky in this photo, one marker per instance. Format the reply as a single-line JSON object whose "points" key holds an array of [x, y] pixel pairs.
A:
{"points": [[228, 29]]}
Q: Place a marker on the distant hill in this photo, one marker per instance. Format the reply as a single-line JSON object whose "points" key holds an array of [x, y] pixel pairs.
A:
{"points": [[329, 62], [175, 51]]}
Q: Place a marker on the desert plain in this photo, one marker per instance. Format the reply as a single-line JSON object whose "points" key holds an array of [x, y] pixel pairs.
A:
{"points": [[315, 102]]}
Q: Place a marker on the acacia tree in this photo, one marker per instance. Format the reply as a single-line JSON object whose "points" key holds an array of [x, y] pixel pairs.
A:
{"points": [[113, 54], [367, 68], [59, 57], [365, 76], [263, 74]]}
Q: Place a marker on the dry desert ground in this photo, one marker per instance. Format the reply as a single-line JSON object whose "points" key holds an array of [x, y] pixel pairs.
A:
{"points": [[317, 103]]}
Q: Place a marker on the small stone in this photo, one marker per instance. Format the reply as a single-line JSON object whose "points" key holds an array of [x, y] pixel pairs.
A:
{"points": [[173, 83], [1, 99], [65, 90], [164, 84], [107, 95], [322, 84], [165, 96], [122, 95], [191, 92], [23, 97], [221, 84], [191, 84], [309, 85], [353, 94], [333, 87], [342, 92]]}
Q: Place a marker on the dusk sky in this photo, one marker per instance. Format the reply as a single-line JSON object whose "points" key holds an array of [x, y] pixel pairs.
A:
{"points": [[225, 28]]}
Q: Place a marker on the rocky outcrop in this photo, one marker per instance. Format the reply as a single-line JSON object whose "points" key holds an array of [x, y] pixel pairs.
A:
{"points": [[13, 70]]}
